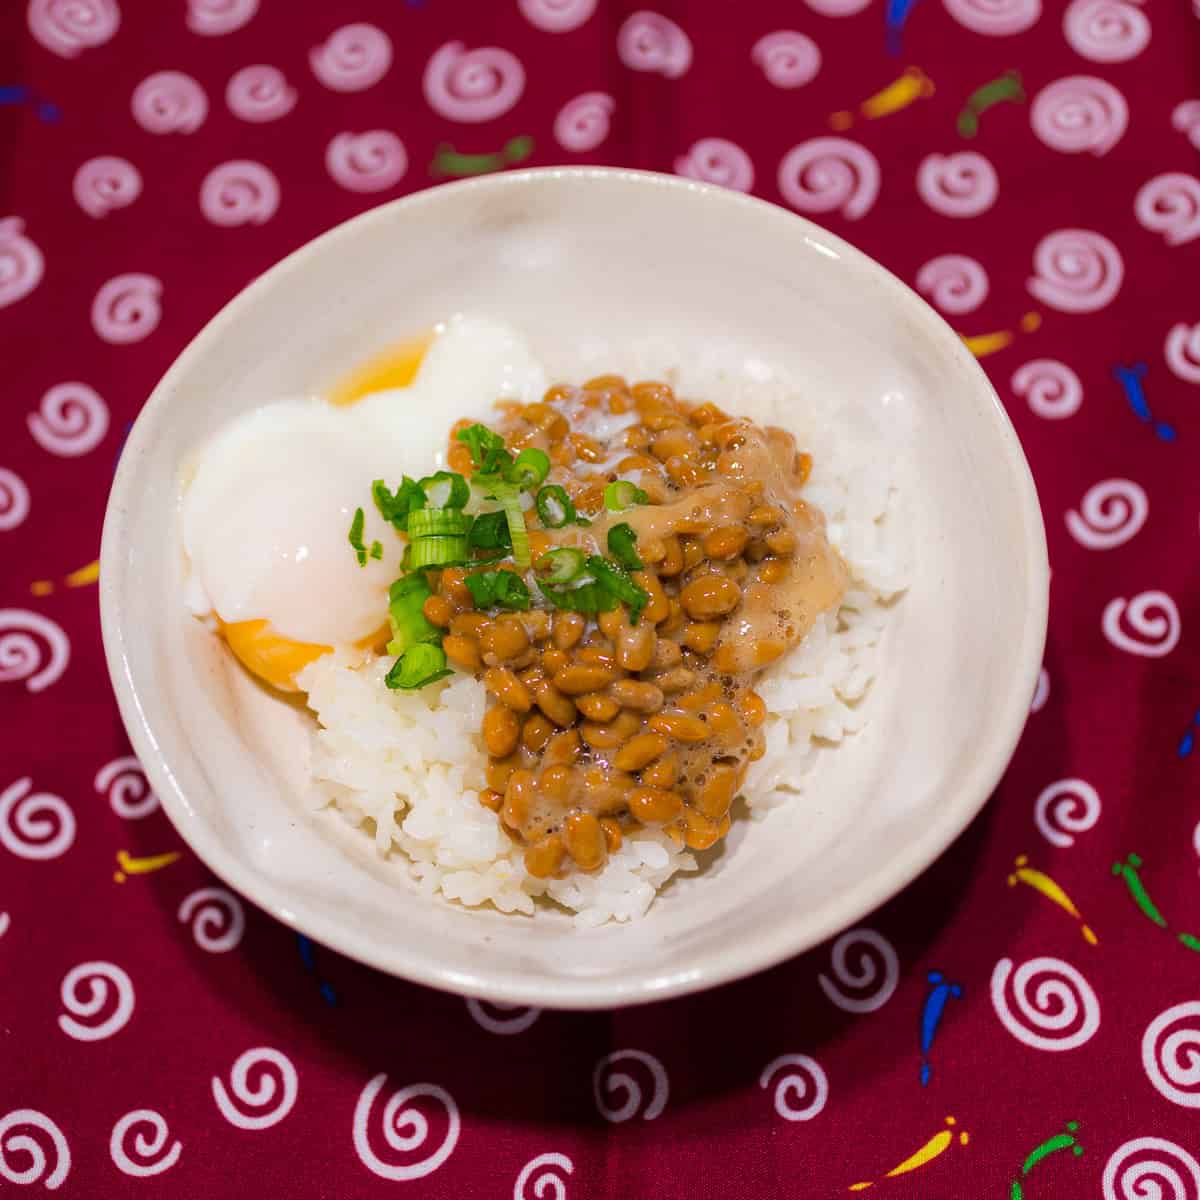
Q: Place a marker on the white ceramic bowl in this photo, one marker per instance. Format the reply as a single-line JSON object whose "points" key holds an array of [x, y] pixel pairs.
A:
{"points": [[575, 258]]}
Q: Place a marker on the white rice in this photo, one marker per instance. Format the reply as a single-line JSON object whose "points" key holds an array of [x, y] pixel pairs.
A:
{"points": [[406, 767]]}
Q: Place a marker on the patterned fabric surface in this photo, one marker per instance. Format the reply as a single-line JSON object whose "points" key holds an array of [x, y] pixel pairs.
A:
{"points": [[1024, 1021]]}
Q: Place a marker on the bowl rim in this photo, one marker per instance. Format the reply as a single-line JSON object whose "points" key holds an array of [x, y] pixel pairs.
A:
{"points": [[772, 944]]}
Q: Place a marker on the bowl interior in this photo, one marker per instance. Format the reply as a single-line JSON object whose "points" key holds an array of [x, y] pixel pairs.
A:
{"points": [[591, 266]]}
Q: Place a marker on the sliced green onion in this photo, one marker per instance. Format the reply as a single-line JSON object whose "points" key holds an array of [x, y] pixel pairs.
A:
{"points": [[406, 603], [529, 469], [438, 522], [436, 552], [356, 532], [623, 494], [609, 575], [498, 589], [586, 598], [554, 507], [490, 531], [376, 550], [562, 565], [510, 500], [417, 666], [622, 545], [487, 448], [446, 489], [394, 507]]}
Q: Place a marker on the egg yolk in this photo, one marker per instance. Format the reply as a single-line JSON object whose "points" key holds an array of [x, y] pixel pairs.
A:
{"points": [[278, 660], [394, 368]]}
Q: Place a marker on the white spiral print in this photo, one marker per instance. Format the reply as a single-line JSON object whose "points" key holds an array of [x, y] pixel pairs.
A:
{"points": [[366, 162], [16, 1138], [1151, 1168], [613, 1084], [583, 123], [5, 923], [1111, 513], [21, 263], [71, 420], [14, 500], [800, 1094], [1066, 807], [502, 1018], [1056, 1007], [216, 917], [127, 308], [470, 86], [1171, 1053], [1186, 118], [1079, 114], [837, 8], [995, 18], [1153, 618], [1076, 271], [239, 192], [870, 989], [546, 1183], [955, 283], [1042, 692], [169, 102], [102, 994], [405, 1129], [1106, 31], [146, 1134], [648, 41], [1182, 351], [35, 825], [352, 58], [557, 16], [958, 185], [259, 93], [827, 174], [1051, 389], [106, 183], [124, 782], [788, 59], [65, 27], [20, 658], [269, 1100], [715, 160], [1170, 204], [213, 18]]}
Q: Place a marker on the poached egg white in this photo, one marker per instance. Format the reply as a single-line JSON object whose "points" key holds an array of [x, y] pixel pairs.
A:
{"points": [[267, 512]]}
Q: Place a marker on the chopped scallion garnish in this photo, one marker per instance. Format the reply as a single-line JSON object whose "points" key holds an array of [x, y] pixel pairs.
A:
{"points": [[445, 489], [561, 565], [490, 531], [622, 545], [436, 551], [622, 494], [394, 507], [356, 534], [498, 589], [432, 522], [554, 507], [417, 666], [613, 577], [591, 597], [376, 550], [529, 469], [487, 448], [406, 603]]}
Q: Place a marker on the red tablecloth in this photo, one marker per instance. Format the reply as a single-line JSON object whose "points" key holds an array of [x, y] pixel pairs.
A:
{"points": [[1025, 1019]]}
